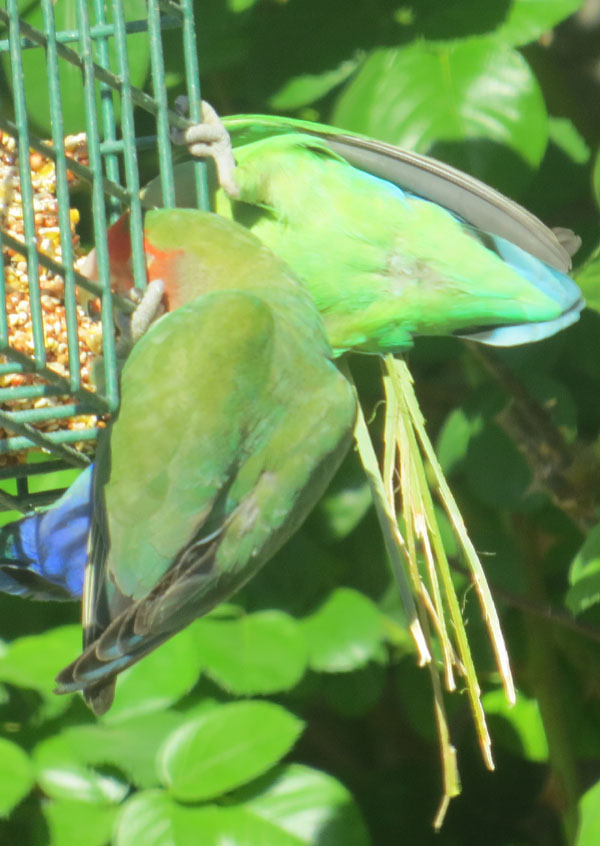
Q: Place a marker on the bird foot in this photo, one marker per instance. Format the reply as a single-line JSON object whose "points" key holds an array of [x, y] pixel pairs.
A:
{"points": [[148, 308], [208, 139]]}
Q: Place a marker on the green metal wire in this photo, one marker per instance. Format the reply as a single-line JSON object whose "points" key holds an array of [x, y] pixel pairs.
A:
{"points": [[26, 186], [114, 179], [98, 207], [159, 88], [130, 152], [96, 31], [192, 75], [62, 194], [107, 109]]}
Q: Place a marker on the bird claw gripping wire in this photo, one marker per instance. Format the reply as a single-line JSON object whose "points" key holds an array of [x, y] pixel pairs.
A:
{"points": [[208, 139], [149, 308]]}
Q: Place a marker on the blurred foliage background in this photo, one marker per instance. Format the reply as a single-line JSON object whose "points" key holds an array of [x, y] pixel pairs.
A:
{"points": [[296, 714]]}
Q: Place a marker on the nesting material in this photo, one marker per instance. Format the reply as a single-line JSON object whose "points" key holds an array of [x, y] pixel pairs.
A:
{"points": [[43, 177]]}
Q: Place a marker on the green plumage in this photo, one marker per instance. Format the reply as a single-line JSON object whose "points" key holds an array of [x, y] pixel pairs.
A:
{"points": [[233, 420], [412, 268], [363, 225]]}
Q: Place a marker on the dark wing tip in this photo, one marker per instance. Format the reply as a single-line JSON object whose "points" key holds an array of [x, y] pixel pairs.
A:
{"points": [[100, 697], [568, 240]]}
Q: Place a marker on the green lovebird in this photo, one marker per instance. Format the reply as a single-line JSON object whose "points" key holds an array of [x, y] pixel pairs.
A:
{"points": [[390, 244], [233, 419]]}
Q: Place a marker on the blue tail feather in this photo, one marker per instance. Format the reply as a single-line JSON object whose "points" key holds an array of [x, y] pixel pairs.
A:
{"points": [[43, 555], [552, 282]]}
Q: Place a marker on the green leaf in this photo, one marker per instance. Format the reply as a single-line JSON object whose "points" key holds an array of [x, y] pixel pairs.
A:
{"points": [[240, 5], [518, 728], [226, 748], [584, 575], [589, 817], [298, 807], [306, 88], [476, 101], [344, 633], [528, 19], [147, 819], [514, 23], [73, 822], [163, 677], [454, 438], [153, 819], [346, 502], [131, 745], [70, 75], [588, 279], [565, 135], [63, 774], [310, 806], [258, 653], [232, 825], [34, 661], [596, 178], [294, 806], [16, 775]]}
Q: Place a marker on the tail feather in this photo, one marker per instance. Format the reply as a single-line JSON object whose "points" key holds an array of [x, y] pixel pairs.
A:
{"points": [[43, 555], [179, 597], [552, 282]]}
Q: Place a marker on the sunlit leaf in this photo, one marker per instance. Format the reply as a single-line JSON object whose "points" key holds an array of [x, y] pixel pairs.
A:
{"points": [[529, 19], [477, 102], [34, 661], [72, 821], [16, 775], [516, 23], [306, 88], [256, 653], [344, 633], [589, 809], [147, 819], [309, 806], [62, 774], [519, 728], [565, 135], [226, 748], [130, 745], [296, 806]]}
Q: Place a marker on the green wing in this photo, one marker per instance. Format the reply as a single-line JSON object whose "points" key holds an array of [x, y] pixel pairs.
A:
{"points": [[463, 195], [232, 421]]}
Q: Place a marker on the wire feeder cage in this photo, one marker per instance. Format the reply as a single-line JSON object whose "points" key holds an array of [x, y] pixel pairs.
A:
{"points": [[81, 53]]}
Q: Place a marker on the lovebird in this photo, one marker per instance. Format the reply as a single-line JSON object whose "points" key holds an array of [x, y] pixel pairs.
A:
{"points": [[391, 244], [233, 419]]}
